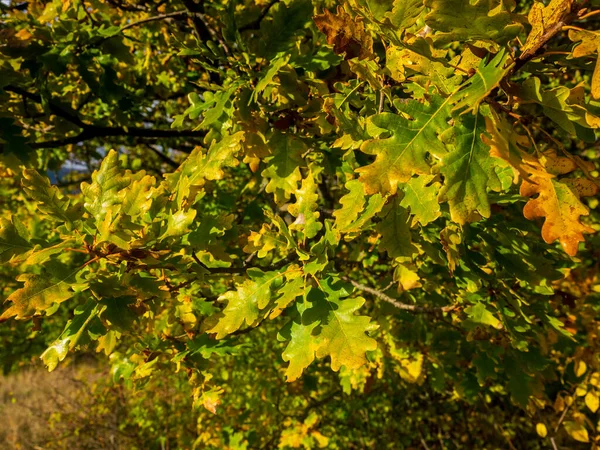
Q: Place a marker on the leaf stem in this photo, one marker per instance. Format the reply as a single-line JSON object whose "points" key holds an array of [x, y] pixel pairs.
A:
{"points": [[590, 14]]}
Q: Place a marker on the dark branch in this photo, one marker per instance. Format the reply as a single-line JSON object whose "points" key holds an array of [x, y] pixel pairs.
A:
{"points": [[152, 19], [531, 53], [56, 109], [255, 24], [17, 7], [93, 131], [196, 11], [162, 156]]}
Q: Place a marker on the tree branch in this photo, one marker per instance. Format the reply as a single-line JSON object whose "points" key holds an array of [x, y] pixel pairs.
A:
{"points": [[56, 109], [152, 19], [528, 55], [93, 131], [392, 301], [162, 156], [255, 24], [196, 11]]}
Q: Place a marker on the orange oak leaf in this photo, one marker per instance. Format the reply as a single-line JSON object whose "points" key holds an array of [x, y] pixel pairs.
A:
{"points": [[558, 202]]}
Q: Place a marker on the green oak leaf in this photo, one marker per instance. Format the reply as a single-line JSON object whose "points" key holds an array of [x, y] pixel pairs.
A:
{"points": [[343, 335], [283, 167], [50, 199], [14, 239], [406, 151], [479, 314], [394, 228], [290, 291], [405, 13], [352, 203], [469, 171], [353, 216], [485, 79], [217, 103], [421, 197], [41, 254], [286, 21], [138, 197], [245, 303], [41, 291], [265, 81], [305, 208], [302, 346], [178, 223], [73, 334], [104, 195], [560, 106], [200, 166], [459, 20]]}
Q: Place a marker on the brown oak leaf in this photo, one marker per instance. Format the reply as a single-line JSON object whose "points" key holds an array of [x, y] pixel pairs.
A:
{"points": [[346, 34]]}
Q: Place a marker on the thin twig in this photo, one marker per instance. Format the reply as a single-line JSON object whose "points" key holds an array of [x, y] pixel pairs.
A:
{"points": [[561, 24], [392, 301], [151, 19]]}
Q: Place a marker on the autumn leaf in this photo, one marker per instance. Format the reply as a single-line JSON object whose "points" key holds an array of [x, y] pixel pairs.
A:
{"points": [[300, 351], [343, 334], [305, 208], [245, 303], [544, 20], [40, 292], [589, 43], [404, 153], [105, 194], [558, 202], [13, 239], [395, 230], [356, 209], [577, 431], [345, 33]]}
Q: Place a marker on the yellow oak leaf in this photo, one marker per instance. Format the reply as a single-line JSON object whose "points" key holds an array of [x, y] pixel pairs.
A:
{"points": [[589, 43], [544, 20]]}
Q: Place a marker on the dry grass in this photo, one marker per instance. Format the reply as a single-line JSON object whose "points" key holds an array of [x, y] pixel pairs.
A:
{"points": [[65, 409]]}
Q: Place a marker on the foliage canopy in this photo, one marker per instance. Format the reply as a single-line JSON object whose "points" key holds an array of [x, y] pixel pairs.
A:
{"points": [[360, 198]]}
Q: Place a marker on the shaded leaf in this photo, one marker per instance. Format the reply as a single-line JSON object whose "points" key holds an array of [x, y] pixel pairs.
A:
{"points": [[458, 20], [347, 34]]}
